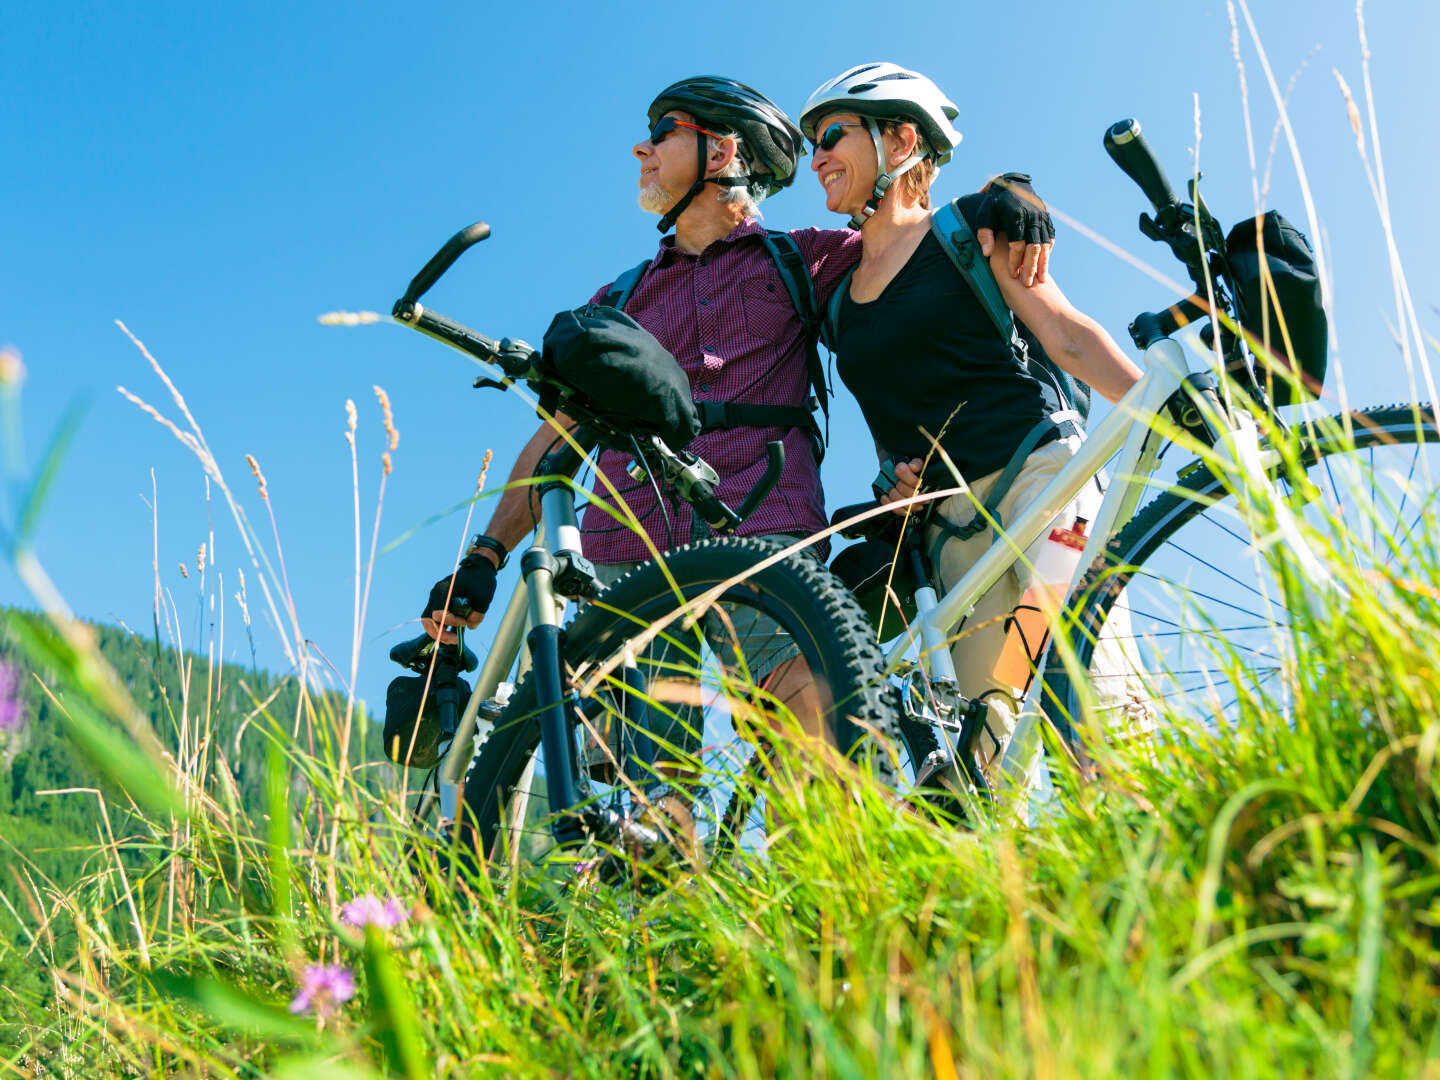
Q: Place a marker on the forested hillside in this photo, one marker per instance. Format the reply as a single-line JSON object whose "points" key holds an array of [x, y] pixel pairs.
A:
{"points": [[48, 840]]}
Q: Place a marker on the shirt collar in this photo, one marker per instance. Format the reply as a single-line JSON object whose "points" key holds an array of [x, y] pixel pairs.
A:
{"points": [[748, 227]]}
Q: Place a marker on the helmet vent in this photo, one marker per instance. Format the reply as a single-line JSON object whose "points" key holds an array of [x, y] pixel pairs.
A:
{"points": [[860, 88]]}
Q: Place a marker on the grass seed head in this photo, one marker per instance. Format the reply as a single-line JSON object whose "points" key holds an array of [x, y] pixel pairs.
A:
{"points": [[12, 369], [390, 430], [255, 468]]}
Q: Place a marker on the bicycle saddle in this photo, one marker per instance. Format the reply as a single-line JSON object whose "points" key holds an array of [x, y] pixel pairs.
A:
{"points": [[879, 527], [415, 654]]}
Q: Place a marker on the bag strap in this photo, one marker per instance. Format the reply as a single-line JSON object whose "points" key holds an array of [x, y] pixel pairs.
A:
{"points": [[624, 285], [830, 325], [715, 415], [795, 276], [958, 239], [981, 521], [960, 244]]}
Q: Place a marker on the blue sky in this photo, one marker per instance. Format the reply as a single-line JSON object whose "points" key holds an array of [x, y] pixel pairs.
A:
{"points": [[219, 176]]}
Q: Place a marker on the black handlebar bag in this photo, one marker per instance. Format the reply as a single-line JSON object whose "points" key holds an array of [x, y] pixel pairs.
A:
{"points": [[1296, 278], [622, 372], [413, 733]]}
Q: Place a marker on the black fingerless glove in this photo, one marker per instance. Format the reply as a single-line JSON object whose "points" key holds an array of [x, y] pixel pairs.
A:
{"points": [[1012, 207], [473, 591]]}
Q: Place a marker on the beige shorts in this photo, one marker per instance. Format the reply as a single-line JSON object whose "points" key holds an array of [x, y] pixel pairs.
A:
{"points": [[982, 637]]}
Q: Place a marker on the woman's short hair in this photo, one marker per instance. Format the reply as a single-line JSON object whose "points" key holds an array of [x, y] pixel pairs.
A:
{"points": [[914, 185]]}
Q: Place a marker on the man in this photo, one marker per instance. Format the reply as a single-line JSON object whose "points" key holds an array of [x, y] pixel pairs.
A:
{"points": [[712, 296]]}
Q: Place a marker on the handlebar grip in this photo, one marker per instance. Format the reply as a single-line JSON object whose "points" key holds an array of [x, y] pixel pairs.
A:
{"points": [[449, 331], [1128, 149], [774, 466], [711, 510], [443, 259]]}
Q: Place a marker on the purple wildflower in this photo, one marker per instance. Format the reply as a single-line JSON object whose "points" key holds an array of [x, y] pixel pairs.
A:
{"points": [[369, 910], [12, 709], [323, 987]]}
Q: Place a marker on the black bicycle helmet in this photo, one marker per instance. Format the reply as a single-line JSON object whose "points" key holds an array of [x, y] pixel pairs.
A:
{"points": [[770, 143]]}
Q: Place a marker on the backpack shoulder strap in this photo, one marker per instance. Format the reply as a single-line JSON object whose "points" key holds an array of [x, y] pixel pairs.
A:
{"points": [[795, 276], [624, 285], [958, 239], [830, 324]]}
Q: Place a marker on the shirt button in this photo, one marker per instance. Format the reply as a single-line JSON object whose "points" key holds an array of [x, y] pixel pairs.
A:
{"points": [[703, 303], [704, 261], [704, 387]]}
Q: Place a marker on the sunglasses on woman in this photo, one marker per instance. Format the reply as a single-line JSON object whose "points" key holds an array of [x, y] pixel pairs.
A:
{"points": [[832, 134], [666, 124]]}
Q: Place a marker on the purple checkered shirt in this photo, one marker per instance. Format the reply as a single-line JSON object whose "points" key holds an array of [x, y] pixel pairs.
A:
{"points": [[726, 317]]}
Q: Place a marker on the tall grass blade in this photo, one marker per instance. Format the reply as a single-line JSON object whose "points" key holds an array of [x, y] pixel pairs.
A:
{"points": [[392, 1012]]}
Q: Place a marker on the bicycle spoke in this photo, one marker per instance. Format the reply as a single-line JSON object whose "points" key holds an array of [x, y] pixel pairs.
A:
{"points": [[1194, 612], [1178, 588]]}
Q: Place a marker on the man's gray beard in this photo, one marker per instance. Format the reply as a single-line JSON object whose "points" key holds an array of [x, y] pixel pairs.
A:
{"points": [[655, 199]]}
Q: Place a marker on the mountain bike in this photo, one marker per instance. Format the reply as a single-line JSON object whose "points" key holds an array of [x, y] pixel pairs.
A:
{"points": [[1183, 588], [669, 688]]}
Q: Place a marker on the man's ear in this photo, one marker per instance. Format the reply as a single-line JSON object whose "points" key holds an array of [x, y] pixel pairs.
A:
{"points": [[722, 152]]}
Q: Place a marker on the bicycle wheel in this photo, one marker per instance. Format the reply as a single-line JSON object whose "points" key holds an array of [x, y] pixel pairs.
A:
{"points": [[1181, 612], [707, 690]]}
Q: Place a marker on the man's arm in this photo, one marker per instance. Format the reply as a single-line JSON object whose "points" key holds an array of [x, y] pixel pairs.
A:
{"points": [[1072, 339], [514, 518], [519, 507]]}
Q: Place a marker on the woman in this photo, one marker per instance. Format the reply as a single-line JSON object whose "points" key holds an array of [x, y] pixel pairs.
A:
{"points": [[923, 357]]}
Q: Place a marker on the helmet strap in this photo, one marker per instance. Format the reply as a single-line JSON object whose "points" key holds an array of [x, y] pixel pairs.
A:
{"points": [[673, 214], [883, 179]]}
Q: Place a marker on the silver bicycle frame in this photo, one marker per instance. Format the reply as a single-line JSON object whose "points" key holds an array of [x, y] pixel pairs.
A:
{"points": [[530, 604]]}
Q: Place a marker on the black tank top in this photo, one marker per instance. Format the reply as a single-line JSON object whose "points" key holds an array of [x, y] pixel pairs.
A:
{"points": [[925, 346]]}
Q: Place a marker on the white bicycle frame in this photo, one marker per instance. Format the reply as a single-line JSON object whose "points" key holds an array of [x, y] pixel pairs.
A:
{"points": [[1128, 430]]}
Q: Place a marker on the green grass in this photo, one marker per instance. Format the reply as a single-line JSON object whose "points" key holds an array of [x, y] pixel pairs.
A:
{"points": [[1256, 900]]}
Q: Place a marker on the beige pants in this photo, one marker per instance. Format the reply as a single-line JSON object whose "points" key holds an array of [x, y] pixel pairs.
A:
{"points": [[981, 639]]}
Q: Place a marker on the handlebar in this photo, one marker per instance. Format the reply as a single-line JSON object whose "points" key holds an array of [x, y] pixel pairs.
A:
{"points": [[443, 259], [692, 478], [1187, 228], [774, 465], [1150, 326], [1129, 149]]}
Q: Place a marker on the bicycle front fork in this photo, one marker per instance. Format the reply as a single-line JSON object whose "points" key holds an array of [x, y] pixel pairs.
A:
{"points": [[549, 577]]}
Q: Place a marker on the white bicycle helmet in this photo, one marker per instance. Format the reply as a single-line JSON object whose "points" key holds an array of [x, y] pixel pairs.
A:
{"points": [[883, 91]]}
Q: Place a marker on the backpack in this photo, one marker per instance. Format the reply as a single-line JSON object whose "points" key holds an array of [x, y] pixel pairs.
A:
{"points": [[795, 276], [1300, 343], [959, 243]]}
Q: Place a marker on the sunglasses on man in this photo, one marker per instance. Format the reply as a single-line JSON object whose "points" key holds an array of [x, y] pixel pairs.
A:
{"points": [[666, 124], [832, 135]]}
